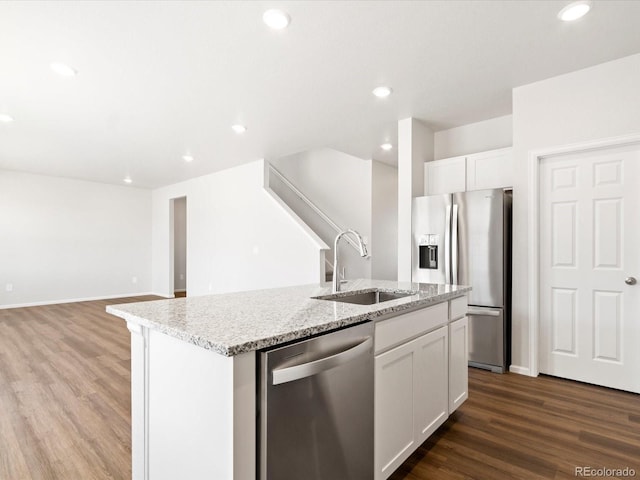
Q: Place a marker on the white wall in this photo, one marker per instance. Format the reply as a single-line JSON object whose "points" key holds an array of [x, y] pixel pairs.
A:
{"points": [[239, 238], [180, 244], [63, 239], [340, 185], [384, 221], [594, 103], [473, 138], [415, 146]]}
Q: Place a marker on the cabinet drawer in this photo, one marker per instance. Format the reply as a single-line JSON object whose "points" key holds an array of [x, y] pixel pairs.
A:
{"points": [[458, 308], [399, 329]]}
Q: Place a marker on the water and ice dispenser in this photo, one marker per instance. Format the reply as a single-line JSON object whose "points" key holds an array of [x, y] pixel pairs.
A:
{"points": [[428, 251]]}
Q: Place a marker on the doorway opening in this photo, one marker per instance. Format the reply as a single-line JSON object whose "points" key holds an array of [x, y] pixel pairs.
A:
{"points": [[179, 249]]}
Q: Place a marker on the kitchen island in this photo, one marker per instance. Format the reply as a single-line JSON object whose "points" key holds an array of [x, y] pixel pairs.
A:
{"points": [[194, 366]]}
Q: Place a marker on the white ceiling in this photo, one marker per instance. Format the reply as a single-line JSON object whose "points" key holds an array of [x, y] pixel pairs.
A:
{"points": [[157, 78]]}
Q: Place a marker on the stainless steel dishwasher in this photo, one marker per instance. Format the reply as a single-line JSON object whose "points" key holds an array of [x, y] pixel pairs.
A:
{"points": [[316, 408]]}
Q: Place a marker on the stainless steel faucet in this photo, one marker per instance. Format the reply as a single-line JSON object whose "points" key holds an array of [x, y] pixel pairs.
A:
{"points": [[336, 269]]}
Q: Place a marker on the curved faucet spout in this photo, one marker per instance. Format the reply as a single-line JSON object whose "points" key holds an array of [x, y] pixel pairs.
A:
{"points": [[336, 269]]}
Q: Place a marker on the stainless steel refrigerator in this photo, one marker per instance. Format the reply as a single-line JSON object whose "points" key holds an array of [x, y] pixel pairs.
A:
{"points": [[465, 239]]}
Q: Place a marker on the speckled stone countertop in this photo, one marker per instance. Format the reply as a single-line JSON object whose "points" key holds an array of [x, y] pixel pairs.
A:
{"points": [[235, 323]]}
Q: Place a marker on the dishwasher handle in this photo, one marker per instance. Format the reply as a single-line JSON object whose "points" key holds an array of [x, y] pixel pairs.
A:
{"points": [[304, 370]]}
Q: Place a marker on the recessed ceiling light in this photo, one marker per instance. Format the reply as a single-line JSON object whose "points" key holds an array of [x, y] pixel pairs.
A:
{"points": [[63, 69], [6, 118], [386, 147], [382, 92], [276, 19], [574, 11], [187, 158], [238, 128], [127, 180]]}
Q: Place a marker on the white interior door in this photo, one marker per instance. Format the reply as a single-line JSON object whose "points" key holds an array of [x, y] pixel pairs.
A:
{"points": [[589, 255]]}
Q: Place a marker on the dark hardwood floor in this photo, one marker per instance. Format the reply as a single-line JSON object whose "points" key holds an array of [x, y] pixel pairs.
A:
{"points": [[517, 427], [65, 411]]}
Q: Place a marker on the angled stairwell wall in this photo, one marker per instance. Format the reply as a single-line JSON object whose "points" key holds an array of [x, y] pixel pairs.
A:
{"points": [[238, 236], [354, 193]]}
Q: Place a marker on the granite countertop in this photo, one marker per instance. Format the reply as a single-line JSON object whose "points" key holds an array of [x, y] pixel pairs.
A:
{"points": [[234, 323]]}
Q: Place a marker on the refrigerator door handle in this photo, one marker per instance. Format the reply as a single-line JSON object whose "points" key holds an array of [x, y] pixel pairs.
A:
{"points": [[485, 313], [454, 246], [447, 246]]}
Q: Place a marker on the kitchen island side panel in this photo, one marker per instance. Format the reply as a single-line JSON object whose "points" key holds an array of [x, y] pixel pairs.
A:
{"points": [[196, 415]]}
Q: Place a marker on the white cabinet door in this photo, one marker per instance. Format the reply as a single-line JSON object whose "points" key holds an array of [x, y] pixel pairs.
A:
{"points": [[458, 363], [395, 402], [445, 176], [492, 169], [431, 384], [411, 393], [419, 382]]}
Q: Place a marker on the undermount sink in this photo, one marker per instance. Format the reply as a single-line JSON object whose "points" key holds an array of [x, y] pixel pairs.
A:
{"points": [[365, 298]]}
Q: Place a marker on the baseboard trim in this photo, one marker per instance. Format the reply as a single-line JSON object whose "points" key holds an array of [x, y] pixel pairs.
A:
{"points": [[520, 370], [84, 299], [163, 295]]}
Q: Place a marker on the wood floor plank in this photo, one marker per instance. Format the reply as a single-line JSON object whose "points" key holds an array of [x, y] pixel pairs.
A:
{"points": [[528, 428], [65, 393], [66, 413]]}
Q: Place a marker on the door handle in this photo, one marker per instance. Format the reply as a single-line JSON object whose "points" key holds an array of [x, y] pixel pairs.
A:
{"points": [[454, 246], [484, 313], [447, 246], [308, 369], [630, 280]]}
